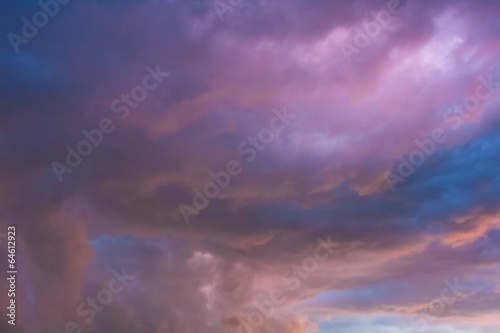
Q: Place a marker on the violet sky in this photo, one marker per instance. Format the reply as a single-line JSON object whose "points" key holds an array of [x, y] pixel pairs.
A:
{"points": [[386, 146]]}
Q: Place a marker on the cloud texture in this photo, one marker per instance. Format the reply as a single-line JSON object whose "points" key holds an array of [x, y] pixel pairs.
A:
{"points": [[325, 174]]}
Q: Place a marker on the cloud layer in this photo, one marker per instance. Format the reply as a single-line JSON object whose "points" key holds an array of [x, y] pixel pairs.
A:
{"points": [[323, 175]]}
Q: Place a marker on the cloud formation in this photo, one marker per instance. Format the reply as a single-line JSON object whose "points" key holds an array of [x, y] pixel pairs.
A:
{"points": [[323, 175]]}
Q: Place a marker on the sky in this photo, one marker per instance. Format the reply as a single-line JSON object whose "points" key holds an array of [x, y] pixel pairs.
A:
{"points": [[240, 166]]}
